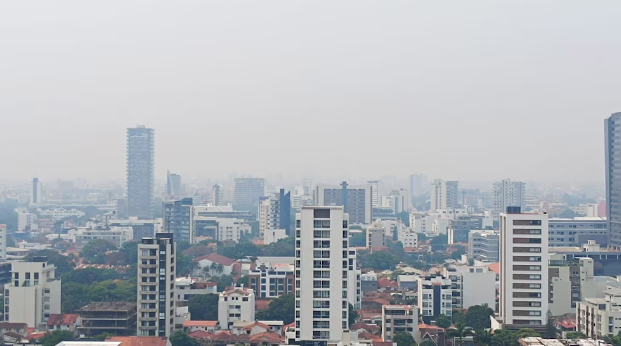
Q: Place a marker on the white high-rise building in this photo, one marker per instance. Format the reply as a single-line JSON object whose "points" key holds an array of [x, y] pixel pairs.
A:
{"points": [[523, 268], [376, 193], [357, 200], [508, 193], [444, 195], [322, 273], [236, 304], [156, 286], [33, 294], [399, 319]]}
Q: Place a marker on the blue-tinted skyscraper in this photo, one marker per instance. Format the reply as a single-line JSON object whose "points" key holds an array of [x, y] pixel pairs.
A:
{"points": [[140, 161], [612, 127]]}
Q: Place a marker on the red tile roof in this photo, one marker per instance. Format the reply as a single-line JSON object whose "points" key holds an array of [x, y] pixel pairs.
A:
{"points": [[62, 320], [271, 337], [201, 334], [427, 326], [139, 340], [369, 336], [382, 343], [495, 267], [214, 257], [368, 327], [211, 324], [257, 324], [35, 336], [384, 282]]}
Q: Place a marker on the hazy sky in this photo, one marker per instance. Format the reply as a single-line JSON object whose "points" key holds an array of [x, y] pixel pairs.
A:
{"points": [[464, 90]]}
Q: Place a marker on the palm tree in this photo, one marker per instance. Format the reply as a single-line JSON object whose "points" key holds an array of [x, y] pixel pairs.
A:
{"points": [[483, 337], [213, 267], [219, 268], [460, 330]]}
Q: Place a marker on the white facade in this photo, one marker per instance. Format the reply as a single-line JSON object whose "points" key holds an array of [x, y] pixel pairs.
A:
{"points": [[435, 297], [408, 238], [3, 239], [507, 193], [321, 296], [235, 305], [484, 245], [598, 317], [156, 286], [444, 194], [376, 193], [115, 235], [273, 235], [523, 268], [399, 319], [354, 284], [59, 213], [33, 294], [472, 285], [26, 220], [376, 236], [232, 229]]}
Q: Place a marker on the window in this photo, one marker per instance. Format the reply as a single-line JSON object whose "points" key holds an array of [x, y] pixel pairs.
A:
{"points": [[344, 223], [526, 222], [321, 294]]}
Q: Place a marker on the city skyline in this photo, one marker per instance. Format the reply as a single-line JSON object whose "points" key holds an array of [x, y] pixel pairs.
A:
{"points": [[481, 84]]}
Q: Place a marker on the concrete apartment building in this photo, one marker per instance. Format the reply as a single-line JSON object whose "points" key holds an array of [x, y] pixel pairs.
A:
{"points": [[116, 318], [33, 294], [321, 296], [173, 184], [156, 286], [237, 304], [483, 245], [141, 228], [272, 281], [435, 297], [248, 193], [578, 231], [399, 319], [507, 193], [275, 213], [354, 284], [471, 285], [178, 219], [598, 317], [376, 236], [140, 177], [612, 134], [217, 195], [356, 200], [444, 195], [115, 235], [523, 269]]}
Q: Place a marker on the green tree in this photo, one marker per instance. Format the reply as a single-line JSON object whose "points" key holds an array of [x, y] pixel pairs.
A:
{"points": [[223, 282], [422, 237], [353, 315], [404, 216], [358, 239], [380, 260], [62, 263], [551, 331], [460, 331], [613, 340], [404, 339], [283, 308], [129, 251], [87, 276], [478, 317], [576, 335], [428, 343], [526, 333], [103, 336], [458, 252], [283, 247], [95, 251], [483, 337], [181, 338], [184, 264], [204, 307], [244, 280], [56, 337], [504, 337], [443, 321]]}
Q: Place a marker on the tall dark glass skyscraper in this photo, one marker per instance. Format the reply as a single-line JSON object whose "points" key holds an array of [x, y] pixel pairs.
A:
{"points": [[612, 128], [140, 161]]}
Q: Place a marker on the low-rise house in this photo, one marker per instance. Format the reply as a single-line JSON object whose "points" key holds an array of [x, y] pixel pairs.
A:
{"points": [[12, 338], [206, 326], [274, 326], [67, 322], [249, 328], [216, 264], [18, 328]]}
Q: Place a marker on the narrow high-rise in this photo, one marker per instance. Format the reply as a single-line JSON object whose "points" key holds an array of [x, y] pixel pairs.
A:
{"points": [[173, 184], [322, 273], [216, 195], [248, 192], [140, 162], [507, 193], [156, 286], [35, 192], [524, 282], [612, 134], [275, 213], [444, 195]]}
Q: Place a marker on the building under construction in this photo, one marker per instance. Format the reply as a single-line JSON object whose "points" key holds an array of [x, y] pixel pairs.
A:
{"points": [[116, 318]]}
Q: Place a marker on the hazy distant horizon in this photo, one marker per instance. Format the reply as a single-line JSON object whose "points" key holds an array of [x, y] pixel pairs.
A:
{"points": [[469, 91]]}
